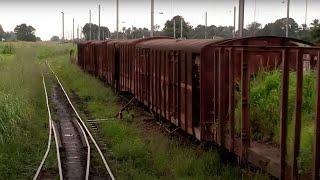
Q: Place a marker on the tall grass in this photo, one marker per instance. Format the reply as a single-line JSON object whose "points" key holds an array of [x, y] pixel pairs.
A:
{"points": [[265, 93], [23, 128]]}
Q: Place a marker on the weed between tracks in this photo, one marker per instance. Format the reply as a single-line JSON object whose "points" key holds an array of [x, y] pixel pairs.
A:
{"points": [[138, 153]]}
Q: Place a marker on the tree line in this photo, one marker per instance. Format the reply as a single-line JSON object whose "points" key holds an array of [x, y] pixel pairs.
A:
{"points": [[309, 33], [306, 32], [22, 32]]}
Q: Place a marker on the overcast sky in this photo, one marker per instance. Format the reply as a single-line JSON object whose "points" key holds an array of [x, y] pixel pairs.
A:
{"points": [[45, 15]]}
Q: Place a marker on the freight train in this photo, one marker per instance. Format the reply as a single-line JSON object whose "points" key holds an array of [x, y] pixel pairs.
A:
{"points": [[192, 83]]}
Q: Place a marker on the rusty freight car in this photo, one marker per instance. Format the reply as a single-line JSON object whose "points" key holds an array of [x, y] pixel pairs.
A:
{"points": [[192, 84], [83, 53], [101, 55], [111, 66], [127, 63]]}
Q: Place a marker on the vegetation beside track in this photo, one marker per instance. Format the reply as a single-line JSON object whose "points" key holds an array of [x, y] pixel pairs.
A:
{"points": [[137, 153], [265, 93], [23, 116]]}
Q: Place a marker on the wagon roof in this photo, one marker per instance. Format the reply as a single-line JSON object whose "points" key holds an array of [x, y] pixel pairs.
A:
{"points": [[196, 45], [258, 40], [135, 41]]}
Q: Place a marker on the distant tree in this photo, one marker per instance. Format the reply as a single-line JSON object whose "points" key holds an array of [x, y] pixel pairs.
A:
{"points": [[198, 32], [220, 31], [315, 31], [94, 31], [278, 28], [252, 29], [38, 39], [1, 32], [25, 33], [168, 27], [55, 38], [9, 36]]}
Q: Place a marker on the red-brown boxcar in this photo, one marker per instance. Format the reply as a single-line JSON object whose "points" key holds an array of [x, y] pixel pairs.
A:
{"points": [[127, 63], [111, 67], [101, 58], [179, 79]]}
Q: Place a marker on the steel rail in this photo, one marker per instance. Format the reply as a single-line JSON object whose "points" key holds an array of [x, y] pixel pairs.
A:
{"points": [[58, 152], [84, 126], [50, 131], [86, 140], [88, 151], [51, 128]]}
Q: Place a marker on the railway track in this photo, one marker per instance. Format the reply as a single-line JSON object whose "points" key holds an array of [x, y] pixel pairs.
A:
{"points": [[73, 140]]}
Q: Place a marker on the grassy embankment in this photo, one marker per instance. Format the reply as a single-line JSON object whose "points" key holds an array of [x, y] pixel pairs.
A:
{"points": [[138, 153], [265, 112], [23, 113], [23, 116]]}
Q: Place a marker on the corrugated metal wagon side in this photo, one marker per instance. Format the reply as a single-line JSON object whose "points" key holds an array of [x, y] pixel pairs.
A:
{"points": [[101, 59], [111, 67], [127, 63]]}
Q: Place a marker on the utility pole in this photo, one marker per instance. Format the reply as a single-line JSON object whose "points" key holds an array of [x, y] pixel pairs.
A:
{"points": [[90, 34], [254, 18], [62, 26], [241, 17], [78, 33], [174, 28], [73, 29], [99, 38], [206, 26], [305, 17], [181, 36], [288, 17], [117, 19], [152, 18], [234, 21]]}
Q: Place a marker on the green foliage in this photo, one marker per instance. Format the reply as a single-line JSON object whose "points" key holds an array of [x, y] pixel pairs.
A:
{"points": [[6, 49], [51, 50], [169, 27], [23, 118], [104, 31], [278, 28], [265, 111], [315, 31], [212, 32], [1, 32], [9, 36], [55, 38], [25, 33]]}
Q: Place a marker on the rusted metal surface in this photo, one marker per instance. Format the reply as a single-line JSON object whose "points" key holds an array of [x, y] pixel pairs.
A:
{"points": [[192, 84], [316, 144], [284, 112], [127, 75], [101, 58]]}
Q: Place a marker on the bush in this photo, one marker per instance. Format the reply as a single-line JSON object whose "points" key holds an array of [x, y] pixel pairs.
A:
{"points": [[6, 49]]}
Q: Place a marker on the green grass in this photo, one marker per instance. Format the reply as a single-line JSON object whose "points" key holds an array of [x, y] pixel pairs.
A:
{"points": [[23, 116], [138, 153], [265, 112]]}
